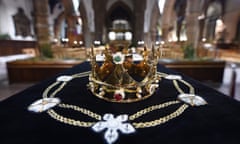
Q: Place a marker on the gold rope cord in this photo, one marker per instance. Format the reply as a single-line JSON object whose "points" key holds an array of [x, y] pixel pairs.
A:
{"points": [[132, 117]]}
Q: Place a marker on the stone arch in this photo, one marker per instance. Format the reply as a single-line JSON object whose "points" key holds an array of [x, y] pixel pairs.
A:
{"points": [[127, 2], [57, 24], [180, 10], [119, 10], [61, 17]]}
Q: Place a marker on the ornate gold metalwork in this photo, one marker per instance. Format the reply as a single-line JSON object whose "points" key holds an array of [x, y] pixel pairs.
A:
{"points": [[120, 78]]}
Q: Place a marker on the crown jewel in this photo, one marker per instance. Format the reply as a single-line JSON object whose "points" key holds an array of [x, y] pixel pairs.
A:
{"points": [[123, 76]]}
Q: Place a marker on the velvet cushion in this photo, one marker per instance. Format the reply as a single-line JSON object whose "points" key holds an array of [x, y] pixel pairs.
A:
{"points": [[218, 122]]}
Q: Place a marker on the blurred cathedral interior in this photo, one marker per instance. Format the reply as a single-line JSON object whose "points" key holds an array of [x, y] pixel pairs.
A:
{"points": [[40, 38]]}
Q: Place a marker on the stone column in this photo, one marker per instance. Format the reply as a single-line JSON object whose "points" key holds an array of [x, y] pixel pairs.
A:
{"points": [[71, 19], [139, 10], [41, 24], [71, 29], [168, 19], [231, 20], [192, 22], [99, 12]]}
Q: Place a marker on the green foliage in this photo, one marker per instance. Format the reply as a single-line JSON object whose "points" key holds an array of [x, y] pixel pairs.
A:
{"points": [[189, 51], [45, 50], [5, 37]]}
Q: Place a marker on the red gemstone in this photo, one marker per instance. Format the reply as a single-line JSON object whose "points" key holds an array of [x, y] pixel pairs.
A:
{"points": [[118, 96]]}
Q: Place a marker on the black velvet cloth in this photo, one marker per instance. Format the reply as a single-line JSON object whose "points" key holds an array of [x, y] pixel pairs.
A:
{"points": [[218, 122]]}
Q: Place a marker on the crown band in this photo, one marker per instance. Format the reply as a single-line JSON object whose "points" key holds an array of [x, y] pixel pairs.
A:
{"points": [[120, 79]]}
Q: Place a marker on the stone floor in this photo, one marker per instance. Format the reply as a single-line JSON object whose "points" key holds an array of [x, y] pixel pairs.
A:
{"points": [[7, 90]]}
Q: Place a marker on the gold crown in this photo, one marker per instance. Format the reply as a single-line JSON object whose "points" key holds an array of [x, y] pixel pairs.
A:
{"points": [[123, 76]]}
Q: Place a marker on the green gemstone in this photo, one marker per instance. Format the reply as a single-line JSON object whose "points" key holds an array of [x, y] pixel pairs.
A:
{"points": [[117, 59]]}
